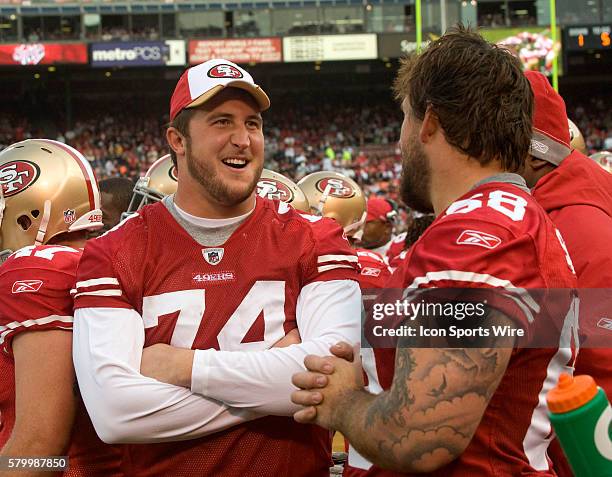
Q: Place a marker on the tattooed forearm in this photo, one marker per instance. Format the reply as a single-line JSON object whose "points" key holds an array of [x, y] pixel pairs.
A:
{"points": [[398, 400], [433, 408]]}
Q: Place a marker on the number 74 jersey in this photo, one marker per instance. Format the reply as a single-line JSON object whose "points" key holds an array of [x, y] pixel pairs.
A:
{"points": [[242, 295]]}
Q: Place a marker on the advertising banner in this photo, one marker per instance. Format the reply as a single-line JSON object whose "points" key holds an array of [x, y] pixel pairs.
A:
{"points": [[138, 53], [43, 53], [330, 47], [239, 50]]}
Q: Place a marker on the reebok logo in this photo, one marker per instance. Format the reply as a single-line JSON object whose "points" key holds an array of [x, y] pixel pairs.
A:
{"points": [[27, 286], [370, 272], [605, 323], [480, 239], [539, 146]]}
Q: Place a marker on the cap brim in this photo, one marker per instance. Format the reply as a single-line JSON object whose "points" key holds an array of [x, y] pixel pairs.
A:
{"points": [[258, 94], [547, 149]]}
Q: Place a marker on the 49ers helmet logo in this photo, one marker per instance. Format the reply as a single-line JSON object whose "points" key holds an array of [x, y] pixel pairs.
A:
{"points": [[224, 71], [337, 187], [273, 189], [17, 176]]}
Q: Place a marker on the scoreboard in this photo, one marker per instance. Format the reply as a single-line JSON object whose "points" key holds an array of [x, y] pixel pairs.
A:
{"points": [[588, 37]]}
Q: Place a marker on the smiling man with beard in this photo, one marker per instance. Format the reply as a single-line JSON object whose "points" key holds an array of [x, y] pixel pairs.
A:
{"points": [[225, 291], [460, 411]]}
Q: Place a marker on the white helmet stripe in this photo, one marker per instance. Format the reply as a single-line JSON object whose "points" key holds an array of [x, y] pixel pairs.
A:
{"points": [[42, 229]]}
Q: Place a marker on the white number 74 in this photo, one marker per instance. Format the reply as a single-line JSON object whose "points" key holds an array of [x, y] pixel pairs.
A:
{"points": [[266, 296]]}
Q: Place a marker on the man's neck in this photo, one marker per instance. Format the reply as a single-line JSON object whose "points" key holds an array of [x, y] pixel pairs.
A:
{"points": [[199, 205], [450, 184]]}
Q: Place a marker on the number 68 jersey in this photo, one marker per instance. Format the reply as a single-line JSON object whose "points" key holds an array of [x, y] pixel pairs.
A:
{"points": [[497, 237], [239, 296]]}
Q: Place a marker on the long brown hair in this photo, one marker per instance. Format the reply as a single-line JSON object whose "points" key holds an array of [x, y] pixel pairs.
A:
{"points": [[477, 91]]}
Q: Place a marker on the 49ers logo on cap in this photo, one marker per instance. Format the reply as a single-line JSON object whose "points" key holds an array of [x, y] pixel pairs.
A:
{"points": [[17, 176], [224, 71], [336, 187], [273, 189]]}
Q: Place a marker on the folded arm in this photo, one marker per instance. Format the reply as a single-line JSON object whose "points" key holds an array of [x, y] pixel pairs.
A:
{"points": [[126, 406]]}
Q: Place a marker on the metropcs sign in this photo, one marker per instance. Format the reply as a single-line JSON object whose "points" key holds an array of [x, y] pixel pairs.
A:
{"points": [[145, 53]]}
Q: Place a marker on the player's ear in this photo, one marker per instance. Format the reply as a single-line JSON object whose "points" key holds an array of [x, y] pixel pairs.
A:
{"points": [[536, 163], [176, 141], [429, 125]]}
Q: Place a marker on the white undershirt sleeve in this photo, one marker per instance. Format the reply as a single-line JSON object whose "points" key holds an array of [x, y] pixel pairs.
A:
{"points": [[326, 312], [126, 406]]}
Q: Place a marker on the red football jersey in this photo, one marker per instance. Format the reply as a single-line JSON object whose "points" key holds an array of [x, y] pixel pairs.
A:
{"points": [[395, 249], [497, 236], [35, 284], [373, 271], [251, 283], [373, 276]]}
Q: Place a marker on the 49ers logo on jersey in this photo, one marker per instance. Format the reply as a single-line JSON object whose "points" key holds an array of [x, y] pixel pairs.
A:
{"points": [[336, 187], [273, 189], [17, 176], [225, 71], [213, 255]]}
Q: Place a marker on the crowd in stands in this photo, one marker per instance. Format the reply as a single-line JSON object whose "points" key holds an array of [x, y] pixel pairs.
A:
{"points": [[358, 139], [593, 116]]}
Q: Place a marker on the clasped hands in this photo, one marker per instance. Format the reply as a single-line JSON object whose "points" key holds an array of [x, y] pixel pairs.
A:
{"points": [[326, 384]]}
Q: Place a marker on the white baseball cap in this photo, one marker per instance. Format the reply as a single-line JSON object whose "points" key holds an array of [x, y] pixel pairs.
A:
{"points": [[201, 82]]}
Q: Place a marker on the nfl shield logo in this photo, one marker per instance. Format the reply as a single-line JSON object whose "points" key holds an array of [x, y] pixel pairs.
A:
{"points": [[212, 255], [69, 216]]}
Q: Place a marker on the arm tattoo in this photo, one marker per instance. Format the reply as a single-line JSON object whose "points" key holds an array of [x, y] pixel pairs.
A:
{"points": [[435, 404]]}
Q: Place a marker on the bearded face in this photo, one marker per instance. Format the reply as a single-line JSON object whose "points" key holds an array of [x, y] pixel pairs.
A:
{"points": [[416, 171]]}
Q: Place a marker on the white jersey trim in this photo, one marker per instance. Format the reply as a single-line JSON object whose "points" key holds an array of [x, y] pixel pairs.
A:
{"points": [[5, 330], [337, 258], [472, 277], [538, 435], [325, 268], [100, 293], [97, 281]]}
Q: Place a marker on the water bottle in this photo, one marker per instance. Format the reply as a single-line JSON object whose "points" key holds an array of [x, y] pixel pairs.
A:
{"points": [[581, 416]]}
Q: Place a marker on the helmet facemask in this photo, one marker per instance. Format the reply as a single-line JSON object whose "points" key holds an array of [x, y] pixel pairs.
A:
{"points": [[143, 195]]}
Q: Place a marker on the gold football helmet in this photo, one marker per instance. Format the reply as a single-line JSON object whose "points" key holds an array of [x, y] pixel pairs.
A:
{"points": [[604, 159], [46, 188], [331, 194], [159, 181], [576, 138], [272, 185]]}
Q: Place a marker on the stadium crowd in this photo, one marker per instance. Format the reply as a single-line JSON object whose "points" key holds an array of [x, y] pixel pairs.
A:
{"points": [[357, 138]]}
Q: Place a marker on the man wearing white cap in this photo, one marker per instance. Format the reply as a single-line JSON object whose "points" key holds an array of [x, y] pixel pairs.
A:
{"points": [[215, 283]]}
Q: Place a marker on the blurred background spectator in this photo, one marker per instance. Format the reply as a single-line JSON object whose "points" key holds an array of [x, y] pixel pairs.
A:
{"points": [[356, 136]]}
